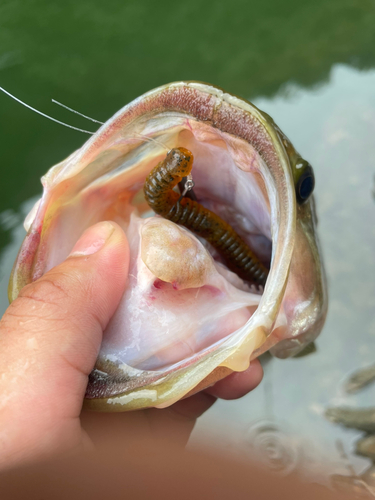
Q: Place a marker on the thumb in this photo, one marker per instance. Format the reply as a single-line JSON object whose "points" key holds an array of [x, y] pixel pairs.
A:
{"points": [[50, 337]]}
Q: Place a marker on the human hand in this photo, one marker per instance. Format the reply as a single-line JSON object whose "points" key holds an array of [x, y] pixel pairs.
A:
{"points": [[49, 340]]}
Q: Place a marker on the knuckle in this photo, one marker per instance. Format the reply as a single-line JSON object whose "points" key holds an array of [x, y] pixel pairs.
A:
{"points": [[62, 299], [39, 305], [45, 290]]}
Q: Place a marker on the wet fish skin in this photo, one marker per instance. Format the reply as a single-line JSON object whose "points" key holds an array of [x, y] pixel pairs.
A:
{"points": [[360, 379], [366, 447], [362, 419]]}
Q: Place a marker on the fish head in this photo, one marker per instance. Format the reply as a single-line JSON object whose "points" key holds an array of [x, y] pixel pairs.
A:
{"points": [[186, 320]]}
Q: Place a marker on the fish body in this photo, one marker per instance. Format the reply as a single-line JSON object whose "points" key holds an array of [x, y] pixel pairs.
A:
{"points": [[366, 448], [360, 379], [362, 419], [186, 320]]}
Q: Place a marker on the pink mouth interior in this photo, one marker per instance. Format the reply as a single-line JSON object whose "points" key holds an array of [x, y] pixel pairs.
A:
{"points": [[156, 325]]}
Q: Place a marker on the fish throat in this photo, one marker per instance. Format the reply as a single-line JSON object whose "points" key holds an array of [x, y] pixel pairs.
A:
{"points": [[185, 210]]}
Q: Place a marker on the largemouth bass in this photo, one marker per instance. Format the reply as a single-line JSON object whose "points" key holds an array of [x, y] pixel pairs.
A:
{"points": [[187, 318]]}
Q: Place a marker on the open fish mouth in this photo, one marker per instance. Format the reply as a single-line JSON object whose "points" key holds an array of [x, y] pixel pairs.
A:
{"points": [[187, 318]]}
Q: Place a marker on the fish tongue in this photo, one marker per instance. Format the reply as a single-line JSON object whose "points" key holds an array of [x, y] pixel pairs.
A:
{"points": [[174, 255]]}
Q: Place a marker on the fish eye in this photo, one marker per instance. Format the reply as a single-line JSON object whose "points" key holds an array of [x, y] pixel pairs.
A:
{"points": [[305, 184]]}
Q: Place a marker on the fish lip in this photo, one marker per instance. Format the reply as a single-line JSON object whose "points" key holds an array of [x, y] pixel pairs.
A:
{"points": [[231, 116]]}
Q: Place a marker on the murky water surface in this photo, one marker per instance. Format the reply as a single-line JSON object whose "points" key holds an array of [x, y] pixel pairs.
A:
{"points": [[309, 67]]}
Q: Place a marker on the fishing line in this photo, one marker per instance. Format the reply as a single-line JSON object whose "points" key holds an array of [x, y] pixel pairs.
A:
{"points": [[43, 114], [76, 112], [144, 137]]}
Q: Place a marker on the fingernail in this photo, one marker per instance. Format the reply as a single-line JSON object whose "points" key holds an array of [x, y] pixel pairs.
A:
{"points": [[93, 239]]}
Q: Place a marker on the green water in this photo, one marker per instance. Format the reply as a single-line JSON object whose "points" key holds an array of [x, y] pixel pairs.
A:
{"points": [[308, 64], [96, 56]]}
